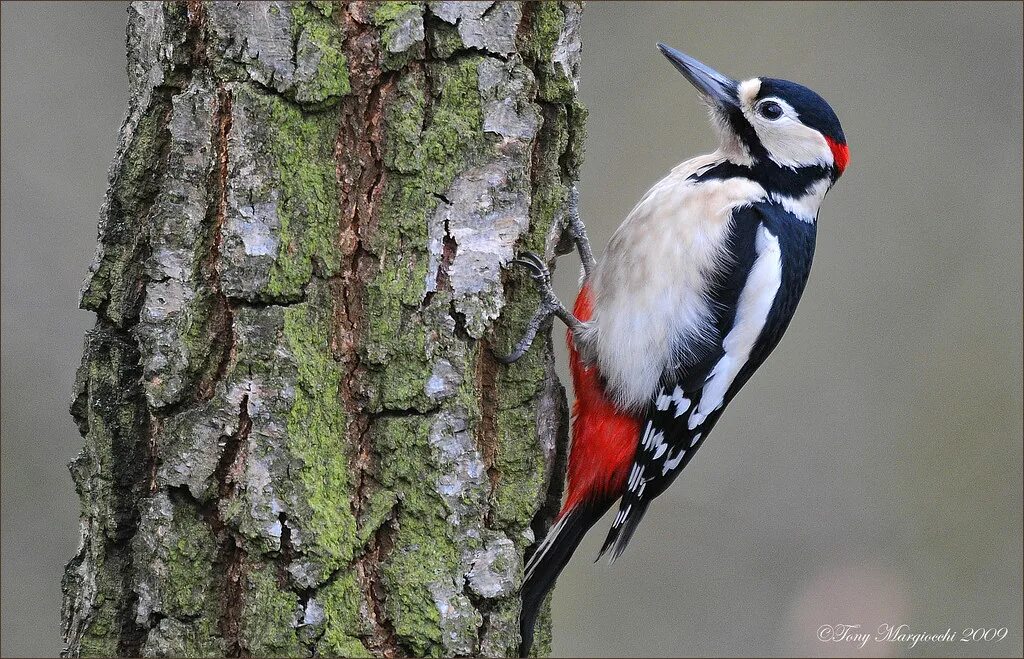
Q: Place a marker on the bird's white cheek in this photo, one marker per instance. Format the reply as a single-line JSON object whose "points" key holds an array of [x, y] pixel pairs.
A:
{"points": [[792, 144]]}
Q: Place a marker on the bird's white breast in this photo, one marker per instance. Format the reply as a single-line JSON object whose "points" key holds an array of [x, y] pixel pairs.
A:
{"points": [[649, 288]]}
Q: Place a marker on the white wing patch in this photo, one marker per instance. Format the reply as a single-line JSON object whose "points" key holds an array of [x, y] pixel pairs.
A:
{"points": [[621, 517], [755, 302]]}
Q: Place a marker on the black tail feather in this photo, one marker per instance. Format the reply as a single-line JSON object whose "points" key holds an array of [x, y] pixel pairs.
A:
{"points": [[550, 559], [619, 535]]}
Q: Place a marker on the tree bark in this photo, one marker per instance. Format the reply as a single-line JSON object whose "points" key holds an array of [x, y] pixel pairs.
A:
{"points": [[297, 439]]}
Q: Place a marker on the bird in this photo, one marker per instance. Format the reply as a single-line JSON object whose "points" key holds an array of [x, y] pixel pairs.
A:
{"points": [[692, 293]]}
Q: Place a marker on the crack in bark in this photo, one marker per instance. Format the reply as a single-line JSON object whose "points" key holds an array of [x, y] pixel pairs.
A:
{"points": [[287, 554], [449, 249], [361, 177], [487, 441], [223, 316], [230, 552], [487, 430], [152, 432], [196, 31]]}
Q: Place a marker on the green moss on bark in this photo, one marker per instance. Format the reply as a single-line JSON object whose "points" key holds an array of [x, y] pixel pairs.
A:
{"points": [[114, 289], [186, 590], [547, 23], [318, 47], [179, 549], [444, 39], [514, 500], [268, 625], [387, 12], [423, 553], [259, 467], [316, 433], [341, 601], [545, 28], [301, 145], [101, 639], [400, 25]]}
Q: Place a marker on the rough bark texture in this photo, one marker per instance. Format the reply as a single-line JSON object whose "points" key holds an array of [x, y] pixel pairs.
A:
{"points": [[296, 438]]}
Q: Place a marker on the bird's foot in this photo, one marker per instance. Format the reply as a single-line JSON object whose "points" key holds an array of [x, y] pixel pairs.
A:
{"points": [[549, 306]]}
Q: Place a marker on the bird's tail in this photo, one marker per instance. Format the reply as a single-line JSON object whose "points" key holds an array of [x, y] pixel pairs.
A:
{"points": [[623, 527], [550, 558]]}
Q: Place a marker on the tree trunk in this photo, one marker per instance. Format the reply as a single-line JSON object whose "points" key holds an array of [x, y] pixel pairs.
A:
{"points": [[297, 440]]}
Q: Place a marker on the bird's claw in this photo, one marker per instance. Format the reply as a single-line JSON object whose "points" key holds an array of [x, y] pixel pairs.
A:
{"points": [[539, 273], [538, 269], [549, 305]]}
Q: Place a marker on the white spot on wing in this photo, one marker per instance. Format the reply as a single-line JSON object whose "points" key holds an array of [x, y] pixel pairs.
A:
{"points": [[673, 463], [696, 438], [681, 401], [648, 435], [697, 417], [635, 476]]}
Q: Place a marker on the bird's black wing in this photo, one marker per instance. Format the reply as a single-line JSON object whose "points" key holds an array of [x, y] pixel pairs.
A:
{"points": [[770, 265]]}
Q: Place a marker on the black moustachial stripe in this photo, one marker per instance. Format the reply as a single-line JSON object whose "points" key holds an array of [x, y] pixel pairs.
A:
{"points": [[772, 177]]}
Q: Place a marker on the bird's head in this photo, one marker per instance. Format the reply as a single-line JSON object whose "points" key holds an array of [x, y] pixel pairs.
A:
{"points": [[766, 119]]}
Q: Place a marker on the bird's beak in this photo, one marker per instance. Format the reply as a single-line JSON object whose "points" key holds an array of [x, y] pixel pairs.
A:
{"points": [[717, 88]]}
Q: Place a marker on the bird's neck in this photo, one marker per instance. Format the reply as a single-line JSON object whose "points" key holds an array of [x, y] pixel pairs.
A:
{"points": [[799, 190]]}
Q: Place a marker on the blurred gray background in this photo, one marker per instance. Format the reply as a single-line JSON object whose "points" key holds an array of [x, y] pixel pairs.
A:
{"points": [[870, 473]]}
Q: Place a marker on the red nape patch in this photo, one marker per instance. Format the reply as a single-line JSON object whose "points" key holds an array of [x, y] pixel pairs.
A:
{"points": [[840, 153]]}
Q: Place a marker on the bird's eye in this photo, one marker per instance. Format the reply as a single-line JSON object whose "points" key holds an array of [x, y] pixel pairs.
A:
{"points": [[770, 110]]}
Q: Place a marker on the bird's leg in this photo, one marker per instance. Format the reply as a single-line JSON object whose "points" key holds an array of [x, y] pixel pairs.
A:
{"points": [[579, 233], [549, 306]]}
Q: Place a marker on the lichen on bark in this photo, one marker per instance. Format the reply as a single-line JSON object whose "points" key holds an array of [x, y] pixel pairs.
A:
{"points": [[297, 440]]}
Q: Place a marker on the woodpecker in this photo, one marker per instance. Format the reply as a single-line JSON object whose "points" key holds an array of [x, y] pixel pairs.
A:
{"points": [[693, 292]]}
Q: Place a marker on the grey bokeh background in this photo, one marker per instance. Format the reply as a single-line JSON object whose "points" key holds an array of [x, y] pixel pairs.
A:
{"points": [[871, 472]]}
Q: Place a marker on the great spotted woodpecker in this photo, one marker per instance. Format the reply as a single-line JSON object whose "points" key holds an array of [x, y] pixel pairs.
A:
{"points": [[693, 292]]}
